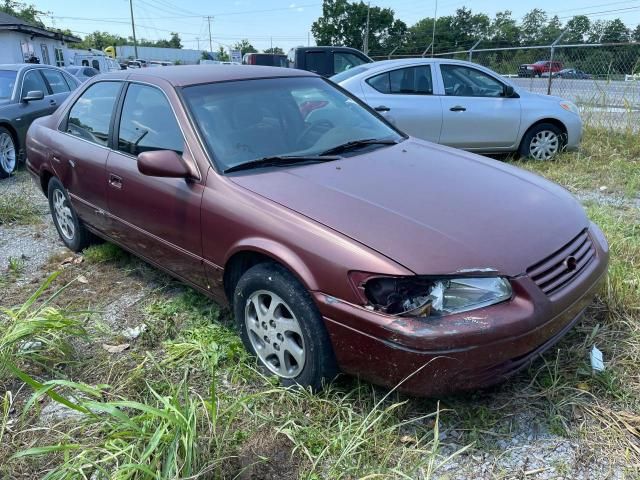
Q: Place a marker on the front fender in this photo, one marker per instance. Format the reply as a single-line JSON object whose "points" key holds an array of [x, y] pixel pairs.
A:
{"points": [[278, 252]]}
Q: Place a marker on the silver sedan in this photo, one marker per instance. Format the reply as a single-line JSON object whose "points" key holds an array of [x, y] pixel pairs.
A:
{"points": [[465, 105]]}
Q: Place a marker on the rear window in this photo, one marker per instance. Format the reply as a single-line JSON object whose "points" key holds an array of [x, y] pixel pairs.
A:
{"points": [[7, 82]]}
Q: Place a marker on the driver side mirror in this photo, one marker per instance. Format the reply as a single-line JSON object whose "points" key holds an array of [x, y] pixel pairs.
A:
{"points": [[509, 91], [163, 163], [33, 95]]}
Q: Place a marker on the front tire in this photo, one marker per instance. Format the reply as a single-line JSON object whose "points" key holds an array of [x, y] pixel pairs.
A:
{"points": [[71, 230], [542, 142], [8, 153], [280, 324]]}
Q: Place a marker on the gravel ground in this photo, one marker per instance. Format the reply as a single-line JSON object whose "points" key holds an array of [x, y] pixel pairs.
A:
{"points": [[527, 451], [34, 244]]}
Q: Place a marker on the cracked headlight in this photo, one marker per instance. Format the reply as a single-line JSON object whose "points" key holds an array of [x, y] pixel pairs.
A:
{"points": [[424, 296]]}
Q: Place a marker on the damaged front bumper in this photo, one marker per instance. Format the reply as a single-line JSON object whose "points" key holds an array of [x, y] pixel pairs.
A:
{"points": [[470, 350]]}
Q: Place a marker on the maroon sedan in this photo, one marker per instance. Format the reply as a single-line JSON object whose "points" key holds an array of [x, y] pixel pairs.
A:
{"points": [[340, 243]]}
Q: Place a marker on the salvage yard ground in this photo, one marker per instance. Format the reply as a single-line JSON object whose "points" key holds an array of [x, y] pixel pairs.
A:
{"points": [[157, 384]]}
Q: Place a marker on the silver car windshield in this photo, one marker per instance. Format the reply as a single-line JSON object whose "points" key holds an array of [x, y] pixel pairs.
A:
{"points": [[7, 82], [247, 120]]}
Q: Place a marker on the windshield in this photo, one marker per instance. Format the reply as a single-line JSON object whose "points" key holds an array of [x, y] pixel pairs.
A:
{"points": [[7, 82], [248, 120]]}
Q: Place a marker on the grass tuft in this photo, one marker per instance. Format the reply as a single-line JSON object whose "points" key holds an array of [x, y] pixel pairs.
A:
{"points": [[104, 252], [18, 208]]}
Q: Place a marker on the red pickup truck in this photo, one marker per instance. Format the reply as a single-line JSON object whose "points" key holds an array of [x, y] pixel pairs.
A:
{"points": [[538, 68]]}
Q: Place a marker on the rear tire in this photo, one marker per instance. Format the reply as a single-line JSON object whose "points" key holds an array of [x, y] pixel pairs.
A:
{"points": [[543, 141], [280, 324], [71, 230], [8, 153]]}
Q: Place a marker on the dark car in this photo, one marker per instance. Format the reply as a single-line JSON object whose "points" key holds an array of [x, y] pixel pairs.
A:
{"points": [[27, 92], [326, 61], [265, 59], [82, 73], [572, 73], [339, 242]]}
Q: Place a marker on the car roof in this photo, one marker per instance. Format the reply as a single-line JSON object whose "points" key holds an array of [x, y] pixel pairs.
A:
{"points": [[183, 75], [19, 66]]}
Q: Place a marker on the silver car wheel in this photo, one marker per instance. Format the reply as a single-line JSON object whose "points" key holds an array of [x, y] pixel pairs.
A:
{"points": [[7, 152], [544, 145], [275, 334], [64, 217]]}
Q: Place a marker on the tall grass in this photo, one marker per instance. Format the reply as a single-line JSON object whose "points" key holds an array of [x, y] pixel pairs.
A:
{"points": [[37, 333]]}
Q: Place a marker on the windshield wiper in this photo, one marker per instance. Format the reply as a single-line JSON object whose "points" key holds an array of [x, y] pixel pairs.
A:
{"points": [[345, 147], [280, 160]]}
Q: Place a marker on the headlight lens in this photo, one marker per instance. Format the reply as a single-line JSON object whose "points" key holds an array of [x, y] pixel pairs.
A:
{"points": [[423, 296], [570, 107]]}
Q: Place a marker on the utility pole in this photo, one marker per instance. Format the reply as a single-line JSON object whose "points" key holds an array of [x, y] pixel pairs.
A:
{"points": [[198, 40], [365, 47], [133, 27], [210, 43], [433, 32]]}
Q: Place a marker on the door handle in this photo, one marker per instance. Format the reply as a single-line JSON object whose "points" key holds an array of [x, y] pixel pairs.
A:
{"points": [[458, 108], [52, 102], [115, 181], [382, 108]]}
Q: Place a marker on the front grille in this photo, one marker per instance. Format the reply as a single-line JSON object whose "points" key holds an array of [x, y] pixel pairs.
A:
{"points": [[553, 273]]}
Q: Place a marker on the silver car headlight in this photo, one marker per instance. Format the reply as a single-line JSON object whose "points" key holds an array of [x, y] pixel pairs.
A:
{"points": [[570, 107], [424, 296]]}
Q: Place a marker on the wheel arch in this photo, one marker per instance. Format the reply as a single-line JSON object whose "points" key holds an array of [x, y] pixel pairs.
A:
{"points": [[14, 133], [553, 121], [253, 251]]}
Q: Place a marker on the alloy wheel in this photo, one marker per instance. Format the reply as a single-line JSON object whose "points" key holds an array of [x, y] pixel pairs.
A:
{"points": [[544, 145], [7, 152], [63, 214], [275, 334]]}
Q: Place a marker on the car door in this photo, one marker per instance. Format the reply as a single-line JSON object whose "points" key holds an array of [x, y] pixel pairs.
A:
{"points": [[80, 148], [159, 218], [475, 112], [58, 87], [32, 80], [405, 97]]}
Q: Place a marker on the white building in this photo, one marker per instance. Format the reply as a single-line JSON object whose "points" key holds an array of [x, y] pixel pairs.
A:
{"points": [[21, 42]]}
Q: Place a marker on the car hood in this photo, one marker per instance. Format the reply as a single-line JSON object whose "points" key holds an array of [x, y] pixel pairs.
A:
{"points": [[430, 208]]}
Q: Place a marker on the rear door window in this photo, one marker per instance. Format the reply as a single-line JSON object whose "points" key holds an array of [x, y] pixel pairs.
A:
{"points": [[404, 81], [90, 116], [55, 80], [147, 122], [316, 62]]}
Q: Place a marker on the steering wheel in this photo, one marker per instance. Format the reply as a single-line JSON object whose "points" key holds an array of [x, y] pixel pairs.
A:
{"points": [[317, 129]]}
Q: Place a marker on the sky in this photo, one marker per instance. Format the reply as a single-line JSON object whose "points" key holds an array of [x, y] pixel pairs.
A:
{"points": [[282, 23]]}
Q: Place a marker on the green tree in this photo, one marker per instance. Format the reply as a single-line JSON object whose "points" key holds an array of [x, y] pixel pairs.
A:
{"points": [[551, 31], [101, 40], [577, 29], [636, 34], [275, 50], [596, 32], [505, 30], [28, 13], [615, 31], [533, 26], [344, 23], [468, 28], [245, 47], [223, 56]]}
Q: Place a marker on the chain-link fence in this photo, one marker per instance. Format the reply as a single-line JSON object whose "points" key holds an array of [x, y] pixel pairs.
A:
{"points": [[602, 79]]}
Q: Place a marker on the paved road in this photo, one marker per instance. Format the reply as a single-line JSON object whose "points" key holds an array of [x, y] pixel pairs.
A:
{"points": [[603, 103]]}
